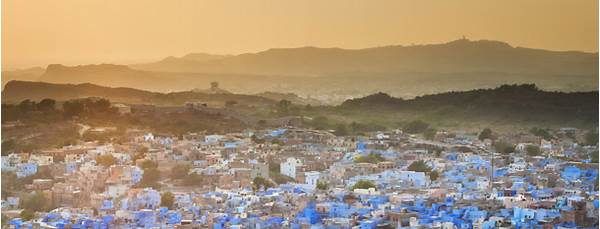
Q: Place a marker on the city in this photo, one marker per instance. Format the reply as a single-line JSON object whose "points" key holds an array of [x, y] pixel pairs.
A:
{"points": [[298, 177]]}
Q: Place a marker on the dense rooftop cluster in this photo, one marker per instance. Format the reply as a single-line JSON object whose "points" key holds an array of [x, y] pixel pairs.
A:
{"points": [[300, 178]]}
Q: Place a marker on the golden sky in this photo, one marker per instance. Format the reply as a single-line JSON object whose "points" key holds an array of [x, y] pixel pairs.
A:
{"points": [[41, 32]]}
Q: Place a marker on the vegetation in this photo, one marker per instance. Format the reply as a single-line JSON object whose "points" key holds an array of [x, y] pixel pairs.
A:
{"points": [[419, 166], [504, 147], [106, 160], [36, 202], [167, 199], [27, 214], [280, 178], [591, 138], [341, 130], [322, 185], [372, 158], [485, 134], [151, 175], [260, 182], [7, 146], [179, 172], [433, 175], [148, 164], [363, 184], [507, 104], [541, 133], [283, 107], [532, 150], [429, 133], [416, 127]]}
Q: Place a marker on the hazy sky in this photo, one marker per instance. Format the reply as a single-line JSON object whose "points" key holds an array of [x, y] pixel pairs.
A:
{"points": [[37, 33]]}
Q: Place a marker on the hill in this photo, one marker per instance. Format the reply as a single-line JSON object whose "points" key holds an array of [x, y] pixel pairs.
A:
{"points": [[504, 104], [456, 56], [29, 74], [16, 91], [179, 64], [333, 75]]}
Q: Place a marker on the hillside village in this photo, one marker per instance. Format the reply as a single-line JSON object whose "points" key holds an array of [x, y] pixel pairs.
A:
{"points": [[296, 177]]}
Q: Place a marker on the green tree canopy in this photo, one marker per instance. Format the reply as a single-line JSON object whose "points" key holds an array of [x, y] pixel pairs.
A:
{"points": [[363, 184], [259, 182], [532, 150], [504, 147], [485, 134], [106, 160], [150, 178], [591, 138], [541, 133], [433, 175], [322, 185], [372, 158], [429, 134], [419, 166], [167, 199], [415, 127]]}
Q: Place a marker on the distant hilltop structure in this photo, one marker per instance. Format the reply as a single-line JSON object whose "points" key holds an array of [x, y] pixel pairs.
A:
{"points": [[214, 89]]}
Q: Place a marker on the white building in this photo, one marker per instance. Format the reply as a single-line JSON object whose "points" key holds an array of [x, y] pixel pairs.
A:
{"points": [[288, 167], [312, 178], [41, 159]]}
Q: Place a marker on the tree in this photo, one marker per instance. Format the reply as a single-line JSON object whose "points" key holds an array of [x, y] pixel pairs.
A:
{"points": [[532, 150], [72, 108], [179, 172], [26, 106], [322, 185], [363, 184], [504, 147], [415, 127], [320, 123], [541, 133], [106, 160], [283, 107], [148, 164], [595, 156], [433, 175], [262, 123], [259, 182], [46, 105], [150, 178], [485, 134], [141, 153], [7, 146], [591, 138], [36, 202], [167, 199], [341, 130], [429, 134], [27, 214], [372, 158], [419, 166]]}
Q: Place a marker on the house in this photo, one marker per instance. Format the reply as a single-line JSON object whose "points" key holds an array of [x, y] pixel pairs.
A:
{"points": [[10, 162], [26, 169], [40, 159], [289, 167], [312, 178]]}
